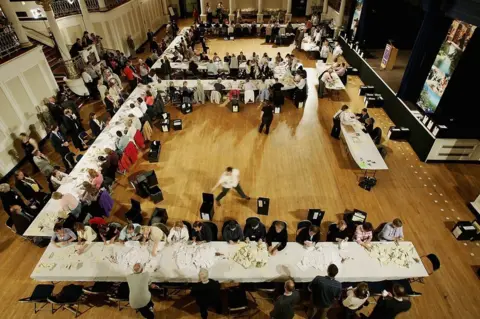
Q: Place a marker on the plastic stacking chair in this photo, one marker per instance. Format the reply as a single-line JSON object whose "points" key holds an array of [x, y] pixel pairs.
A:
{"points": [[134, 214], [69, 298], [215, 97], [431, 264], [189, 227], [39, 296], [249, 96]]}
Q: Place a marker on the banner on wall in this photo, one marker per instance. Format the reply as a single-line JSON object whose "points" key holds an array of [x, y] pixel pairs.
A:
{"points": [[445, 63], [356, 17]]}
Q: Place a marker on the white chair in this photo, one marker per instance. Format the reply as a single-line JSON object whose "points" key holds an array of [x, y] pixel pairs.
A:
{"points": [[215, 97], [249, 96]]}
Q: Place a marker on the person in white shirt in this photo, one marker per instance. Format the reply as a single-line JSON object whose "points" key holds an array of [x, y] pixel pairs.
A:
{"points": [[85, 235], [142, 105], [178, 233], [323, 80], [229, 179], [355, 299], [337, 51], [154, 234], [136, 122], [249, 86], [324, 51], [58, 178], [337, 120], [136, 111]]}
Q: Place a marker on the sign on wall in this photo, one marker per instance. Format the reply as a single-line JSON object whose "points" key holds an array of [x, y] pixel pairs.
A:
{"points": [[445, 63], [356, 18]]}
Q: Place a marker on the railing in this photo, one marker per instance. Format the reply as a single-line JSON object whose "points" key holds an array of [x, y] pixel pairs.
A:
{"points": [[92, 5], [9, 42], [63, 8], [40, 36], [110, 4]]}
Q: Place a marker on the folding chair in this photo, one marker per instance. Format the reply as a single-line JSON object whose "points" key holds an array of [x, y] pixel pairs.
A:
{"points": [[215, 97], [39, 295], [301, 225], [249, 96], [69, 298], [134, 214], [237, 302], [431, 264], [120, 295]]}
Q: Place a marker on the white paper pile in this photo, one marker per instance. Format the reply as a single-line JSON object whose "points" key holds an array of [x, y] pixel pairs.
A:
{"points": [[194, 256], [138, 254], [252, 255], [393, 254], [320, 258]]}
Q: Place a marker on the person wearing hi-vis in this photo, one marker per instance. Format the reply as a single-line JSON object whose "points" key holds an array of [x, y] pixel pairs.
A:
{"points": [[229, 179]]}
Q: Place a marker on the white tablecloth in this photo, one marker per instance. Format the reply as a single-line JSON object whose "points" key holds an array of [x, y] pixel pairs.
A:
{"points": [[63, 264], [208, 84], [362, 148], [45, 220], [337, 83]]}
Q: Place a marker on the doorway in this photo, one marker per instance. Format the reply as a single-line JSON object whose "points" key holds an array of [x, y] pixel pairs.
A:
{"points": [[186, 7], [299, 8]]}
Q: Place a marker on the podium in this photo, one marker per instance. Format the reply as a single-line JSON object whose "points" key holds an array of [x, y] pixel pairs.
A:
{"points": [[389, 57]]}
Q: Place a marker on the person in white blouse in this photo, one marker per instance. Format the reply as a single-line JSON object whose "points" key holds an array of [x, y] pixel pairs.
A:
{"points": [[356, 298], [249, 86], [136, 122], [324, 79], [154, 234], [142, 105], [58, 178], [337, 51], [324, 51], [229, 179], [178, 233], [85, 235], [135, 111]]}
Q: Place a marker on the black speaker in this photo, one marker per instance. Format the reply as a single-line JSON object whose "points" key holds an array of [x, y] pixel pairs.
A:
{"points": [[263, 204], [186, 108], [154, 152]]}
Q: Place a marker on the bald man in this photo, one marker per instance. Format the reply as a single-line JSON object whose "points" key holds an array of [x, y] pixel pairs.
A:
{"points": [[140, 297], [206, 293], [283, 308]]}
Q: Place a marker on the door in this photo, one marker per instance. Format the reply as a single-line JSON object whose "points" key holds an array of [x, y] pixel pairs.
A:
{"points": [[299, 8]]}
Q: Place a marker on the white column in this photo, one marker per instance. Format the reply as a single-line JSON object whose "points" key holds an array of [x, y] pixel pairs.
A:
{"points": [[339, 21], [203, 15], [288, 15], [166, 15], [308, 10], [62, 47], [325, 9], [12, 17], [231, 16], [86, 16], [101, 5], [259, 14]]}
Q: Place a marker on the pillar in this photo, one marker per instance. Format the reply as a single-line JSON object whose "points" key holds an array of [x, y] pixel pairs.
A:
{"points": [[325, 10], [308, 9], [86, 16], [259, 14], [101, 5], [203, 14], [231, 16], [9, 12], [288, 15], [166, 14], [339, 21]]}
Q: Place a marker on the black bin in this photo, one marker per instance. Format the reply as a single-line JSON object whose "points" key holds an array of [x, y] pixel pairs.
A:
{"points": [[207, 210], [263, 204]]}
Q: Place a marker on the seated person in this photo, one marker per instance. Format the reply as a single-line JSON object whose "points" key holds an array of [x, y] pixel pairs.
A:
{"points": [[216, 58], [154, 234], [186, 93], [57, 178], [361, 117], [130, 232], [337, 232], [62, 235], [20, 218], [219, 87], [254, 231], [86, 235], [368, 126], [227, 58], [110, 232], [201, 233], [212, 68], [308, 236], [178, 233], [355, 299], [30, 188], [363, 234], [390, 305], [193, 67], [277, 233], [232, 232], [122, 141], [392, 231]]}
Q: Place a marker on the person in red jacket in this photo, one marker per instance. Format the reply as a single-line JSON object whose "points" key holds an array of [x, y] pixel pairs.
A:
{"points": [[131, 75]]}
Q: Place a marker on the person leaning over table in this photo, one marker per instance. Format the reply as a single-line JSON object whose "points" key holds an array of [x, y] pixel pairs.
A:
{"points": [[154, 234], [122, 141], [130, 232], [392, 231], [140, 297], [201, 233], [308, 236], [362, 116], [136, 122], [325, 290], [58, 178], [338, 232], [284, 305], [199, 93], [363, 234], [355, 299], [68, 203], [232, 233], [86, 235], [62, 235], [369, 126], [109, 233], [277, 233], [178, 233], [337, 120], [254, 231]]}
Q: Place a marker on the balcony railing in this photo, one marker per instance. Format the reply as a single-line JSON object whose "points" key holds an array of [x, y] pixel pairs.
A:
{"points": [[8, 41], [63, 8], [92, 5], [114, 3]]}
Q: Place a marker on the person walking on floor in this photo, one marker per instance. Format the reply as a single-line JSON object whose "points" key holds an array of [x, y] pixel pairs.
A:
{"points": [[229, 179], [284, 305], [337, 120], [324, 292], [266, 118], [140, 297]]}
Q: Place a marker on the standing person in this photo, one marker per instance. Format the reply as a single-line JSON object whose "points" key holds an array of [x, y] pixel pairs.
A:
{"points": [[131, 75], [150, 38], [131, 46], [390, 305], [337, 51], [324, 50], [337, 121], [284, 305], [195, 15], [324, 292], [43, 163], [229, 179], [60, 144], [219, 11], [209, 13], [95, 125], [30, 146], [73, 126], [140, 297], [206, 293], [266, 118], [356, 298]]}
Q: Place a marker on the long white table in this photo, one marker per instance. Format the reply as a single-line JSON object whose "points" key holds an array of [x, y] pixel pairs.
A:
{"points": [[337, 84], [361, 147], [208, 85], [63, 264], [45, 220]]}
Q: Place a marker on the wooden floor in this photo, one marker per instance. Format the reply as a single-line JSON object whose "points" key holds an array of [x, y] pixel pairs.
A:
{"points": [[298, 166]]}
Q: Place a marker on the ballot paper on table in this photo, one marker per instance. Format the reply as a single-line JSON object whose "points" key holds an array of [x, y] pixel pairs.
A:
{"points": [[392, 254], [194, 256], [138, 254], [320, 258]]}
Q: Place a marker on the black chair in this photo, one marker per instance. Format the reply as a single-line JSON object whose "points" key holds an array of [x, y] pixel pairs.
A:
{"points": [[39, 295], [303, 224], [237, 300], [163, 227], [213, 228], [69, 298], [159, 215], [189, 227], [377, 231], [355, 218], [431, 264], [376, 135], [120, 295], [134, 214], [331, 228], [99, 288]]}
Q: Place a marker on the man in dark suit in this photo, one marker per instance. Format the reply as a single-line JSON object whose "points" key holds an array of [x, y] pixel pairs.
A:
{"points": [[60, 144], [55, 110], [390, 305], [361, 117], [74, 128]]}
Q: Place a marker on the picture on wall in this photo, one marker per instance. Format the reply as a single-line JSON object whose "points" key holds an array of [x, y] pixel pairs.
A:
{"points": [[356, 18], [445, 63]]}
